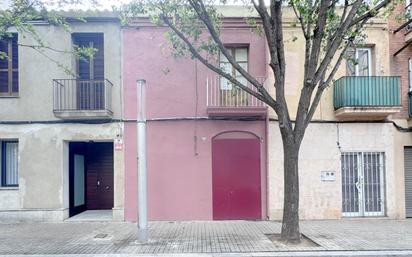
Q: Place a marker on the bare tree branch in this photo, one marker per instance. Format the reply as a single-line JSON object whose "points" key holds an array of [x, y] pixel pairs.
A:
{"points": [[203, 15], [217, 70], [371, 13], [301, 22]]}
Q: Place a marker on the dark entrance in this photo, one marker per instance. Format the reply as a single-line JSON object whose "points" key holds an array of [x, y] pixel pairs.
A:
{"points": [[90, 176]]}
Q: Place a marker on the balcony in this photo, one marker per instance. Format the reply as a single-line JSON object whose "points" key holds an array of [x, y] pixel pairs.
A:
{"points": [[366, 97], [76, 99], [225, 100]]}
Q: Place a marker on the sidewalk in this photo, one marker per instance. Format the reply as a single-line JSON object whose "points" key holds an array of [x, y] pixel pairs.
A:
{"points": [[217, 238]]}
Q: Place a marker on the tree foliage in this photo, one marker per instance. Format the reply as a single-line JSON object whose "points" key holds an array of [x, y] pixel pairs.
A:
{"points": [[23, 15]]}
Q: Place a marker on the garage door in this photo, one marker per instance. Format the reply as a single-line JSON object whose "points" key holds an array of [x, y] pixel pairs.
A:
{"points": [[408, 181], [236, 179]]}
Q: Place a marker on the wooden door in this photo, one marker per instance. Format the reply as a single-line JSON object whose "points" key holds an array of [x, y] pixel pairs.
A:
{"points": [[236, 179], [100, 176]]}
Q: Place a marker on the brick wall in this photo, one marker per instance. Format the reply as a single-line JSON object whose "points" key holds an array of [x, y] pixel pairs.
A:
{"points": [[399, 63]]}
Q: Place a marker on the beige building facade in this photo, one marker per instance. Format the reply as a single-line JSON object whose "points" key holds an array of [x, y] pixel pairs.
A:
{"points": [[351, 159]]}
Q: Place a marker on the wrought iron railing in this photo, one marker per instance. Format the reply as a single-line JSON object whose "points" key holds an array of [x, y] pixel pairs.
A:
{"points": [[221, 93], [367, 91], [82, 95]]}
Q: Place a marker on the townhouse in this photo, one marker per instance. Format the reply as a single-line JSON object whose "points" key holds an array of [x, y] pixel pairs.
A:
{"points": [[69, 142], [206, 140], [57, 153]]}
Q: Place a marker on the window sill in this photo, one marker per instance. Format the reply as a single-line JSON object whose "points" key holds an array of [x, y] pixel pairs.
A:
{"points": [[9, 96], [8, 188]]}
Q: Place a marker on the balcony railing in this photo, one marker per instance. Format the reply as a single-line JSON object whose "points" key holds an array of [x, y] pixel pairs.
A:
{"points": [[76, 98], [221, 93], [224, 99], [376, 95], [367, 92]]}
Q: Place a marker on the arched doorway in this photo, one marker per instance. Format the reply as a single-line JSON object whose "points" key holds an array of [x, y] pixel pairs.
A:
{"points": [[236, 176]]}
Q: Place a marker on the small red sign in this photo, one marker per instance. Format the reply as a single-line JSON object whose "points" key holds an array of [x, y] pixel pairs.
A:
{"points": [[118, 144]]}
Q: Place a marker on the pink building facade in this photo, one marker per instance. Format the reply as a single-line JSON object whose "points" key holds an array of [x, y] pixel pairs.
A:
{"points": [[197, 129]]}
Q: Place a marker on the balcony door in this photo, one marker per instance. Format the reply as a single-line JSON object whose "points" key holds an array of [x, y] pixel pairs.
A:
{"points": [[359, 62], [90, 71], [229, 94]]}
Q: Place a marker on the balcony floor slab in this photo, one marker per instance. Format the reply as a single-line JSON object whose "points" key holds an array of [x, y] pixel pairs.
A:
{"points": [[366, 113], [228, 111]]}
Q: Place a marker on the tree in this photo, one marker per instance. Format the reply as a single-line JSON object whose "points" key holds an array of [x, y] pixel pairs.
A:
{"points": [[328, 27], [19, 15]]}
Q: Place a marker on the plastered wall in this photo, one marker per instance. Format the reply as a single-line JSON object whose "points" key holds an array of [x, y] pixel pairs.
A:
{"points": [[377, 37], [320, 151], [37, 69], [43, 168]]}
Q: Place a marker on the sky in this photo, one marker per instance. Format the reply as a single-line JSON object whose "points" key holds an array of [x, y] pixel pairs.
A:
{"points": [[103, 4], [107, 4]]}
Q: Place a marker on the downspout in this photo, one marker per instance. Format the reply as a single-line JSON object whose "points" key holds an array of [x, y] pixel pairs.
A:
{"points": [[141, 162], [267, 163]]}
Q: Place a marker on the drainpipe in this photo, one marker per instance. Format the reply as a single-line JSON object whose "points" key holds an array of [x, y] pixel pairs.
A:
{"points": [[141, 161]]}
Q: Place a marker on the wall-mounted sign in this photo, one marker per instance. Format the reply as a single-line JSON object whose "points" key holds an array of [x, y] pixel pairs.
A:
{"points": [[328, 175], [118, 144]]}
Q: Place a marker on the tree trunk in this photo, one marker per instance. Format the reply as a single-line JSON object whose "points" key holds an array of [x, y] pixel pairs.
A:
{"points": [[290, 222]]}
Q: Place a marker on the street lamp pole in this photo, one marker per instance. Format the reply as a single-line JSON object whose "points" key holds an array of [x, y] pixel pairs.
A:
{"points": [[141, 161]]}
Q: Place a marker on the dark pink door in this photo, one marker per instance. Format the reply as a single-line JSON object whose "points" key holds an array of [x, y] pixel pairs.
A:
{"points": [[236, 179]]}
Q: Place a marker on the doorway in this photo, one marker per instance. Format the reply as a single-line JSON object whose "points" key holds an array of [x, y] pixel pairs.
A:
{"points": [[363, 184], [236, 179], [90, 176]]}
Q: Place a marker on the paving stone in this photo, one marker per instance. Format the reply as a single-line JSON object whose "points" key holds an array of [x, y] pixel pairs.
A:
{"points": [[208, 237]]}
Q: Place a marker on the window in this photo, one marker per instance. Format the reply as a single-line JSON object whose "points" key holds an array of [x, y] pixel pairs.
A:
{"points": [[90, 68], [241, 56], [410, 74], [90, 72], [359, 62], [9, 66], [230, 95], [9, 153]]}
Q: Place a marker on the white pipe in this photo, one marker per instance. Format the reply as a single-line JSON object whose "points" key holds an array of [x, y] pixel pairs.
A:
{"points": [[141, 162], [142, 180]]}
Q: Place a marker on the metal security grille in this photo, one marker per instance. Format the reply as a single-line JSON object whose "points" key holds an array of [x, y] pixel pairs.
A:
{"points": [[363, 190], [408, 181]]}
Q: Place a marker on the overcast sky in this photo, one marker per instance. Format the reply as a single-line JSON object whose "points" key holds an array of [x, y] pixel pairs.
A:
{"points": [[103, 4]]}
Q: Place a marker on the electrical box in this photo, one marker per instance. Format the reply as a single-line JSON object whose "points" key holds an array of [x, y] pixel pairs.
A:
{"points": [[328, 175]]}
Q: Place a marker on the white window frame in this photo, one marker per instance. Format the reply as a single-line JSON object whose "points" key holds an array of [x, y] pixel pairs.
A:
{"points": [[224, 84], [369, 50]]}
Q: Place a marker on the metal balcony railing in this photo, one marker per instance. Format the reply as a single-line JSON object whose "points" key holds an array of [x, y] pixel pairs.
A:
{"points": [[82, 95], [367, 91], [222, 93]]}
